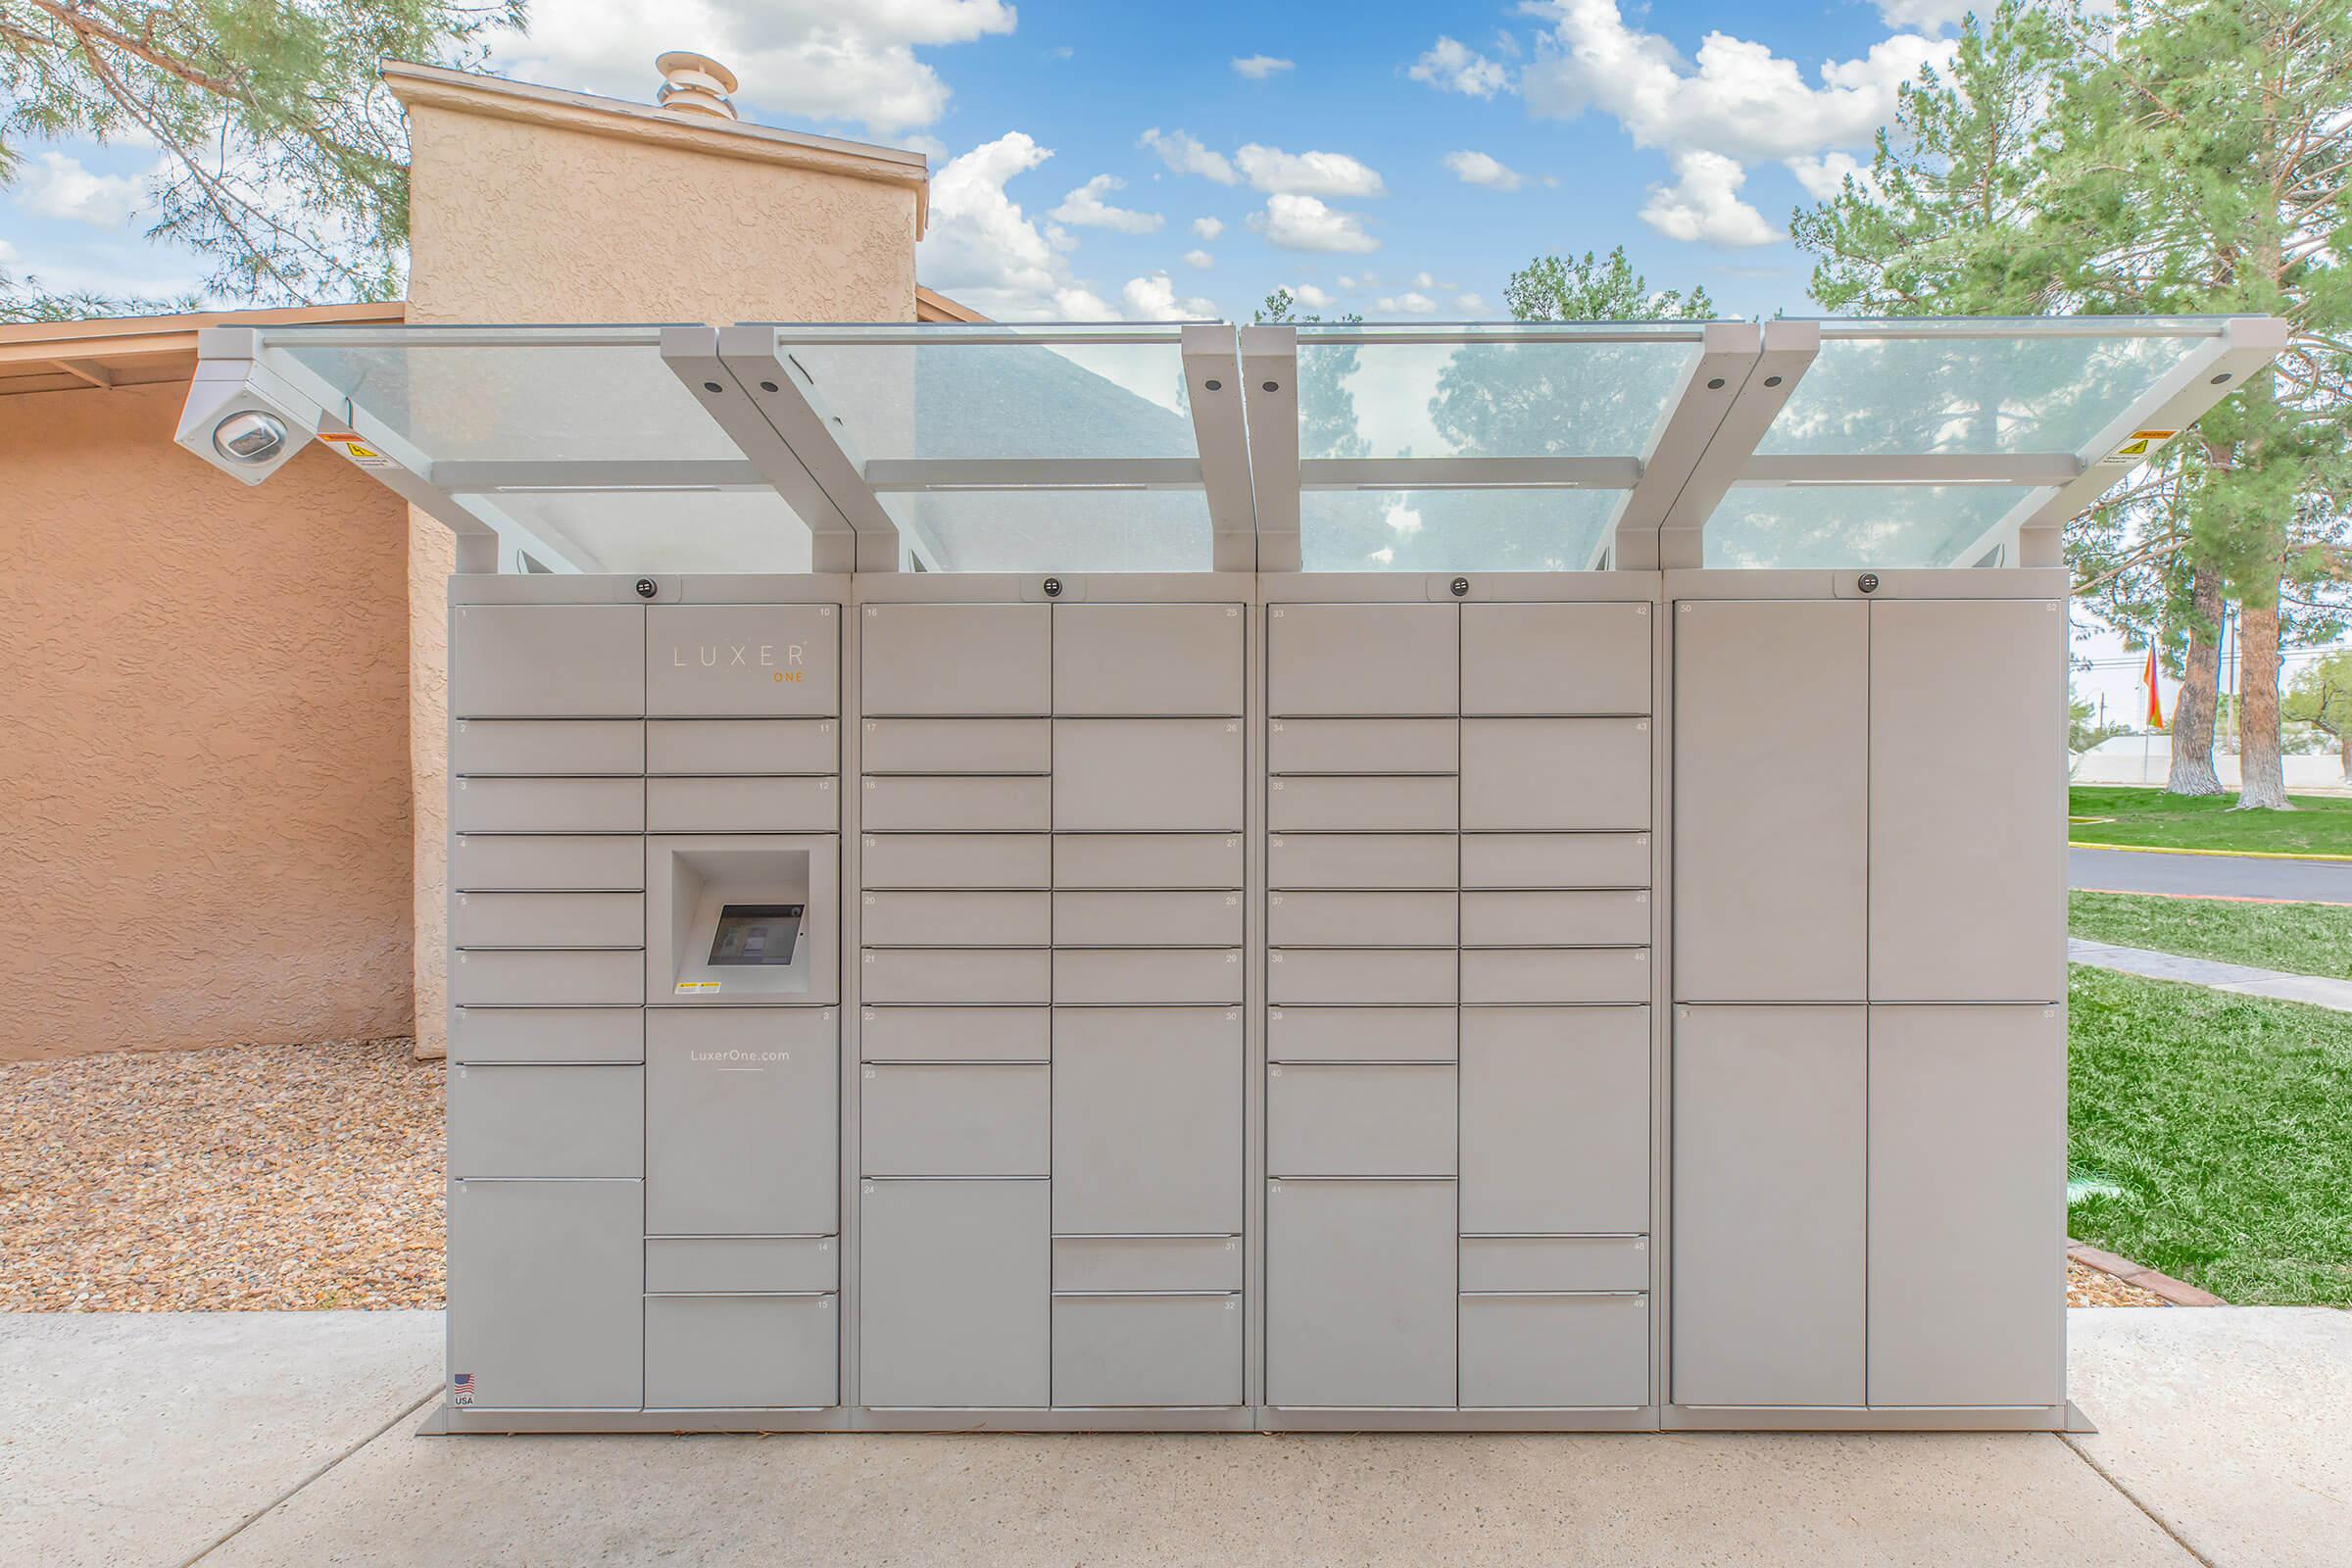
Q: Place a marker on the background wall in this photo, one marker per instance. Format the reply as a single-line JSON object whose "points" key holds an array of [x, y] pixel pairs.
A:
{"points": [[205, 752]]}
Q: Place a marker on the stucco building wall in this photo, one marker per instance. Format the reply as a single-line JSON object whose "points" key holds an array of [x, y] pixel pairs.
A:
{"points": [[206, 758]]}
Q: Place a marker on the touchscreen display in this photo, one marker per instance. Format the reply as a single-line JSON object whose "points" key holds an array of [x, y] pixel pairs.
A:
{"points": [[756, 933]]}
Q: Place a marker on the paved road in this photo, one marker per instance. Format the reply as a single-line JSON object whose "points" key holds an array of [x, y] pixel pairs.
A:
{"points": [[2212, 876]]}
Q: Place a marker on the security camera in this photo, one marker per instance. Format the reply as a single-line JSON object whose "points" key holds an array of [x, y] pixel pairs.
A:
{"points": [[245, 421]]}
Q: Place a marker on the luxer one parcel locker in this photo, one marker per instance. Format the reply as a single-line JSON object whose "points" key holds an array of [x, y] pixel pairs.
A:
{"points": [[1195, 878]]}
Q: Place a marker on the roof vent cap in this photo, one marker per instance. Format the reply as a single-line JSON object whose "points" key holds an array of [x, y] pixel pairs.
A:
{"points": [[695, 84]]}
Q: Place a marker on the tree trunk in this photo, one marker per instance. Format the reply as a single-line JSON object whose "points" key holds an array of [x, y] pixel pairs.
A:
{"points": [[2260, 771], [2343, 748], [2192, 772]]}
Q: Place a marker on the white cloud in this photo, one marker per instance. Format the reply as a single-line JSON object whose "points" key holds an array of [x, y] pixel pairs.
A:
{"points": [[1402, 519], [8, 252], [1366, 280], [1481, 168], [1450, 66], [985, 251], [1275, 172], [1199, 259], [1703, 204], [1470, 304], [808, 59], [1208, 229], [1934, 16], [1085, 208], [1154, 299], [1182, 152], [1411, 302], [1825, 176], [57, 186], [1257, 67], [1304, 223], [1313, 298]]}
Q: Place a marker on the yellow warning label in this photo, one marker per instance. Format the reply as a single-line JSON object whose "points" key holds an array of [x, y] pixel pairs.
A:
{"points": [[697, 985], [358, 451]]}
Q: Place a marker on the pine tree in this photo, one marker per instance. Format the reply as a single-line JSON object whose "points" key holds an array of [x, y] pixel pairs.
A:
{"points": [[1580, 289]]}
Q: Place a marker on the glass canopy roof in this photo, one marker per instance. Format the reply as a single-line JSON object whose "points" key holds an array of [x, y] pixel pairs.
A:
{"points": [[1187, 447]]}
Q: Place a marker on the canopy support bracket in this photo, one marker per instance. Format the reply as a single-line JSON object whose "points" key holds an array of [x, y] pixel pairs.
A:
{"points": [[1270, 410]]}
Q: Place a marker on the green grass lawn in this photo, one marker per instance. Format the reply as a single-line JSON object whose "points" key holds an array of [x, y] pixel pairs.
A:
{"points": [[2298, 938], [2227, 1124], [2319, 824]]}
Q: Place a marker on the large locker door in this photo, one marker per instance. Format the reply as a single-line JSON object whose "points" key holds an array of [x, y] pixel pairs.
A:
{"points": [[957, 1279], [1967, 801], [1770, 1170], [549, 1313], [1967, 1177], [1360, 1292], [1771, 759]]}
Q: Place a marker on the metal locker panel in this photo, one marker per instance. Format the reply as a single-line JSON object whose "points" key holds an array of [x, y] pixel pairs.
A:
{"points": [[761, 1352], [1383, 661], [547, 806], [1551, 1351], [1364, 745], [547, 1310], [741, 661], [1147, 1262], [1378, 1120], [1360, 1292], [717, 747], [1561, 775], [1394, 803], [1770, 1183], [479, 864], [1555, 860], [974, 976], [1769, 853], [547, 662], [1148, 860], [1117, 660], [547, 1034], [1967, 801], [742, 1122], [737, 1264], [1341, 977], [547, 920], [1175, 976], [958, 745], [1555, 1120], [1146, 1350], [540, 1122], [1967, 1182], [954, 861], [546, 748], [1514, 919], [925, 661], [1361, 861], [1156, 917], [1362, 920], [965, 918], [740, 805], [1176, 775], [1555, 1263], [1360, 1034], [954, 1119], [1146, 1119], [955, 1298], [1513, 976], [1556, 658], [954, 1034], [607, 978], [958, 805]]}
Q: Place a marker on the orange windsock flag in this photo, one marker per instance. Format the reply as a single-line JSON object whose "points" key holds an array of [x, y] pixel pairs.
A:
{"points": [[2155, 701]]}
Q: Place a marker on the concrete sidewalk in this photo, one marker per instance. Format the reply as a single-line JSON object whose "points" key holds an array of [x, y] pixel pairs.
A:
{"points": [[2227, 1437], [2314, 989]]}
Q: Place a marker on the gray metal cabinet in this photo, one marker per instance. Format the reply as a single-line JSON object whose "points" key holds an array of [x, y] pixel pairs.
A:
{"points": [[1770, 1176], [1364, 745], [547, 920], [954, 1034], [764, 1352], [1148, 860], [1381, 804], [969, 976], [1967, 802], [1161, 918], [547, 806], [1173, 976], [546, 1034], [1555, 1351], [1156, 1263], [1376, 1119], [1567, 775], [1771, 797], [1381, 661], [1360, 1034], [1555, 1263], [487, 863], [1555, 1120], [549, 1310], [958, 745], [1509, 975], [961, 805], [1131, 1350], [554, 1123], [734, 1265], [1554, 919], [954, 1119], [957, 919], [741, 661], [923, 661], [1967, 1183], [955, 1310], [1556, 658], [1342, 977], [1361, 861], [1146, 1120], [1555, 860], [547, 662], [955, 860], [486, 747], [589, 978], [1361, 919], [723, 746], [742, 1122], [1122, 659], [1360, 1292], [1176, 775]]}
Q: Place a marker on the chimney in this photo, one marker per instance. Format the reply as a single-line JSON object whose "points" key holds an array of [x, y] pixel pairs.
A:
{"points": [[695, 84]]}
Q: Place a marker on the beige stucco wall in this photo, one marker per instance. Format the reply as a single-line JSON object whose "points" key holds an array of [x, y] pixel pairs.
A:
{"points": [[516, 221], [206, 738]]}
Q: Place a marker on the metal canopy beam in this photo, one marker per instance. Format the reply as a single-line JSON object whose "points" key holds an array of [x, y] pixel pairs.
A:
{"points": [[1470, 473], [781, 392], [888, 476], [1704, 394], [1913, 468], [1270, 411], [1786, 353], [1213, 388], [471, 476]]}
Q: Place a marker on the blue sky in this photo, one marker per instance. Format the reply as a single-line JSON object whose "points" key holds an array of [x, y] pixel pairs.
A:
{"points": [[1137, 160]]}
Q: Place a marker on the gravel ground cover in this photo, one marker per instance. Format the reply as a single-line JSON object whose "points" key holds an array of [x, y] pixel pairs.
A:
{"points": [[247, 1178], [2087, 1287]]}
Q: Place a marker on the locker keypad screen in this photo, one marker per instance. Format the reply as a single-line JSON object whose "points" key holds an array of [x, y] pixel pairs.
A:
{"points": [[755, 934]]}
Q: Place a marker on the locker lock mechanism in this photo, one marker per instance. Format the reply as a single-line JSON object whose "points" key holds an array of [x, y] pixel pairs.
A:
{"points": [[1868, 583], [647, 587], [1459, 587], [1053, 587]]}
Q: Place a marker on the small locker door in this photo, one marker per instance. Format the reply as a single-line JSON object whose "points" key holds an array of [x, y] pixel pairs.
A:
{"points": [[547, 661], [741, 1123], [1556, 658], [956, 1294], [1770, 1127], [741, 661], [1113, 661], [547, 1309], [953, 660], [1360, 1292], [1381, 660]]}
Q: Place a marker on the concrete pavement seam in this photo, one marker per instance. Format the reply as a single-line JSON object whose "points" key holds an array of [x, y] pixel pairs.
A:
{"points": [[239, 1528], [2153, 1517]]}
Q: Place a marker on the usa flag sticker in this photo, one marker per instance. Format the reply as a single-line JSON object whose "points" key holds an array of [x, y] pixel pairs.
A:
{"points": [[461, 1389]]}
